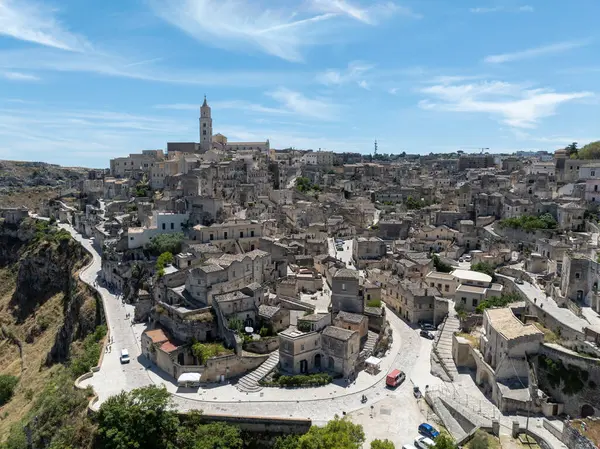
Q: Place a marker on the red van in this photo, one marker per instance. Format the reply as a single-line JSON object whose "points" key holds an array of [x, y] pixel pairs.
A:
{"points": [[395, 378]]}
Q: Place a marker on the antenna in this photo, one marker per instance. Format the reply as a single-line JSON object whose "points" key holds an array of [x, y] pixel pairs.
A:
{"points": [[375, 150]]}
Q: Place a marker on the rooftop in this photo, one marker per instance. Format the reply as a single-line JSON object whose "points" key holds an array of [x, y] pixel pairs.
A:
{"points": [[346, 273], [468, 275], [348, 317], [157, 336], [508, 325], [338, 333]]}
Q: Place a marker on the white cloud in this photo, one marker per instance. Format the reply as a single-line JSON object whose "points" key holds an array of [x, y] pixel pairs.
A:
{"points": [[559, 47], [483, 10], [297, 103], [526, 8], [354, 73], [515, 105], [281, 29], [47, 59], [19, 76], [216, 105], [370, 15], [492, 9], [393, 90], [36, 22]]}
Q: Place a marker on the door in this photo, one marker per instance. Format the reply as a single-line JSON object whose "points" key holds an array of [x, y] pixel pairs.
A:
{"points": [[303, 366]]}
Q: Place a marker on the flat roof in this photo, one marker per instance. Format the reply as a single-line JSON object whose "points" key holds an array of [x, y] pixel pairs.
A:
{"points": [[508, 325], [471, 289], [470, 275]]}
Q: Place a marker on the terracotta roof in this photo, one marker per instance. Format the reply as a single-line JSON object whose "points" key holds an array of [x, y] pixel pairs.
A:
{"points": [[168, 347], [157, 336]]}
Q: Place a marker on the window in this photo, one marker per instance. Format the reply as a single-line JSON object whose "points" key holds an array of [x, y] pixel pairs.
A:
{"points": [[164, 226], [251, 233], [302, 347], [225, 235], [577, 275], [474, 303], [446, 288], [172, 225], [463, 300], [130, 238], [344, 287], [433, 284], [593, 173], [211, 237], [204, 125], [204, 132], [241, 234]]}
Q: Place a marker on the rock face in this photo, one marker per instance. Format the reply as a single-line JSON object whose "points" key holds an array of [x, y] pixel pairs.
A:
{"points": [[47, 260]]}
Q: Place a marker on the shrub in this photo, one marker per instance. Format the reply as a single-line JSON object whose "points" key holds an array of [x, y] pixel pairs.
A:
{"points": [[374, 303], [205, 351], [300, 380], [529, 222], [163, 260], [164, 243], [264, 332], [441, 266], [235, 324], [88, 355], [7, 387]]}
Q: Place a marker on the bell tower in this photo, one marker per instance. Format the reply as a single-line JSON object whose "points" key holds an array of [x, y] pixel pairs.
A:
{"points": [[205, 127]]}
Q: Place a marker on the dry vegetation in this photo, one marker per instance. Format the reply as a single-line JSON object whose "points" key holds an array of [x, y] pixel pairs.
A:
{"points": [[37, 335]]}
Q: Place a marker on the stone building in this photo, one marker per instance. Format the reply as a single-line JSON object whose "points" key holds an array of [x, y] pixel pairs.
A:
{"points": [[245, 233], [367, 249], [340, 348], [345, 294], [354, 322], [474, 287]]}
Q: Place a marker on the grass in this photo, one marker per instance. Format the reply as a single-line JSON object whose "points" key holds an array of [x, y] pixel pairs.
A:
{"points": [[592, 429], [549, 336], [473, 342], [481, 436]]}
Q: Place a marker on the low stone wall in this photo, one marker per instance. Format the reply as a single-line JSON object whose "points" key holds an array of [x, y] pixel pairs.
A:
{"points": [[262, 346], [469, 322], [552, 429], [230, 366], [262, 424]]}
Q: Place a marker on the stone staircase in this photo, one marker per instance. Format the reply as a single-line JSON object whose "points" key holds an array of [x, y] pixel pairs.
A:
{"points": [[443, 346], [249, 383], [369, 346]]}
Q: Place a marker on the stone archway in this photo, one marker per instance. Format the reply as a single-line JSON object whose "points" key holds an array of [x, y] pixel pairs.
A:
{"points": [[587, 410]]}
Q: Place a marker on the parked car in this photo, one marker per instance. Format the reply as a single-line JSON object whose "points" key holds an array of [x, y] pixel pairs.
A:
{"points": [[427, 334], [468, 258], [424, 442], [408, 446], [395, 378], [427, 326], [428, 431], [124, 356]]}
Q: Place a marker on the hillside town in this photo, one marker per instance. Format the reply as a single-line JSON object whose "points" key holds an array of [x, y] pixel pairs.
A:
{"points": [[456, 289]]}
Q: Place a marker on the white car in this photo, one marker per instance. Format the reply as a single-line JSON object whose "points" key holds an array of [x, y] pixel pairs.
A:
{"points": [[468, 258], [124, 356], [408, 446], [424, 442]]}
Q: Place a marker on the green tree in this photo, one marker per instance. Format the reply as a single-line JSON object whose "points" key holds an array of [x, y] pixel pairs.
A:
{"points": [[441, 266], [572, 150], [382, 444], [444, 441], [287, 442], [141, 418], [590, 151], [486, 268], [217, 436], [337, 434], [163, 260], [7, 387], [164, 243]]}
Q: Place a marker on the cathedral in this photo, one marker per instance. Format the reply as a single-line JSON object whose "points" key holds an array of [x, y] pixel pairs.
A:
{"points": [[219, 141]]}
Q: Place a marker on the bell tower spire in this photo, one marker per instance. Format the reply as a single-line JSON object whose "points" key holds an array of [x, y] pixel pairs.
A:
{"points": [[205, 127]]}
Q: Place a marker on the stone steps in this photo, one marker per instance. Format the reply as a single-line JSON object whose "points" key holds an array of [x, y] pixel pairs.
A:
{"points": [[443, 345], [250, 382]]}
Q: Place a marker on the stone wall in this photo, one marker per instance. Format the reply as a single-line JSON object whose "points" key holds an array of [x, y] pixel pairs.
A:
{"points": [[589, 373], [260, 424], [262, 346], [230, 366]]}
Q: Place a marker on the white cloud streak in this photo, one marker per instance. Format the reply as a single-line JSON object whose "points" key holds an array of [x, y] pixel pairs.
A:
{"points": [[354, 73], [35, 22], [19, 76], [284, 31], [515, 105], [297, 103], [109, 65], [530, 53], [492, 9]]}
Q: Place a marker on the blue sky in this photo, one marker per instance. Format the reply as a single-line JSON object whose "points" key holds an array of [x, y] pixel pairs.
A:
{"points": [[82, 81]]}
